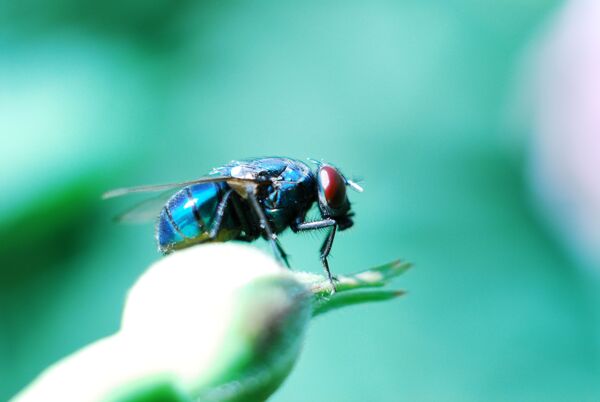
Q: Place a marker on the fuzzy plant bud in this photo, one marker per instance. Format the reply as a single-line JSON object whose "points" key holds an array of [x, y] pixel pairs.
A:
{"points": [[218, 322]]}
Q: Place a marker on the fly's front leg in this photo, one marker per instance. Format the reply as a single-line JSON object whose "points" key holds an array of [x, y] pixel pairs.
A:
{"points": [[304, 226], [325, 250], [326, 247], [264, 224]]}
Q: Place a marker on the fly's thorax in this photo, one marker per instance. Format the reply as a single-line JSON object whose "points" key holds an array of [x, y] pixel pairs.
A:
{"points": [[284, 204], [291, 190]]}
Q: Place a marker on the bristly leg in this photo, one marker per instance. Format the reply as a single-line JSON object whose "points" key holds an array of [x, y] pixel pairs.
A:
{"points": [[264, 224], [214, 230], [326, 247], [325, 250], [283, 253]]}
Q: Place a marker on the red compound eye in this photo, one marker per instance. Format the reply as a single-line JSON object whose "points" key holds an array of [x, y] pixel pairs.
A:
{"points": [[333, 186]]}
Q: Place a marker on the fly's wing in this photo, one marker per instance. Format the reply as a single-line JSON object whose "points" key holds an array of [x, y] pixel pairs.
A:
{"points": [[149, 209], [119, 192], [257, 170], [145, 211]]}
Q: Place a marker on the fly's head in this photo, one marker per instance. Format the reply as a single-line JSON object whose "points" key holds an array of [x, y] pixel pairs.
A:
{"points": [[332, 195]]}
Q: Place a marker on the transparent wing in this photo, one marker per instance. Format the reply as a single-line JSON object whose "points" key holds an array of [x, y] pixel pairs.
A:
{"points": [[145, 211], [149, 209], [119, 192]]}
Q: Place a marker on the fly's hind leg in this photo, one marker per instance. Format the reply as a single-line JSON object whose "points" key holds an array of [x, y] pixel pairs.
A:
{"points": [[264, 224], [282, 252], [248, 232], [216, 225]]}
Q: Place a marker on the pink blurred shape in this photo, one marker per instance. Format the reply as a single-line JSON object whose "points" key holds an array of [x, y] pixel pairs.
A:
{"points": [[566, 126]]}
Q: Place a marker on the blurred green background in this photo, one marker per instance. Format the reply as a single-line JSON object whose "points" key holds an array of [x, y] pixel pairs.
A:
{"points": [[410, 95]]}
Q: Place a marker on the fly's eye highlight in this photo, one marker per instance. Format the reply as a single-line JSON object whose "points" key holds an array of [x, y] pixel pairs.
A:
{"points": [[334, 187]]}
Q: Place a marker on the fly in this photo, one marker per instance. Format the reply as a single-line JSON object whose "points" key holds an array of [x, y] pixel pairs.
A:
{"points": [[247, 199]]}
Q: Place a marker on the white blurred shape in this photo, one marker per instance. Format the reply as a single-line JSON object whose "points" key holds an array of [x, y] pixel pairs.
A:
{"points": [[566, 125], [189, 321]]}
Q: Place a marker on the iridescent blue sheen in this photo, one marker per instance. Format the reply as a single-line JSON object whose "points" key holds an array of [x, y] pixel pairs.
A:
{"points": [[189, 215], [292, 193]]}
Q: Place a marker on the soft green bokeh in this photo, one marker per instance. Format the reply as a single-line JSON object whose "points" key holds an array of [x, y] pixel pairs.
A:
{"points": [[410, 95]]}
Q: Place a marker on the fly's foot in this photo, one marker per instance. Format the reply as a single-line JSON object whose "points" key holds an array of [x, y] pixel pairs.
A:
{"points": [[332, 281]]}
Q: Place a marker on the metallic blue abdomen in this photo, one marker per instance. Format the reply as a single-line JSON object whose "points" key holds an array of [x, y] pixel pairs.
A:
{"points": [[188, 217]]}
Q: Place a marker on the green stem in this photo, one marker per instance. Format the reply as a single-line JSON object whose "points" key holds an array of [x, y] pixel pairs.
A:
{"points": [[347, 299], [350, 288]]}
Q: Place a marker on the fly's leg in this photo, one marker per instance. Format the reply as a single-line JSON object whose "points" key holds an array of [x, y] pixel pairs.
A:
{"points": [[264, 225], [282, 252], [325, 250], [249, 233], [216, 226], [304, 226], [326, 247]]}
